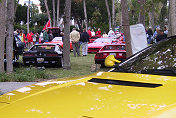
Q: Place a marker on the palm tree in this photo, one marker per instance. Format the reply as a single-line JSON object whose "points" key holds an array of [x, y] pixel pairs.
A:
{"points": [[66, 39], [54, 16], [85, 14], [10, 29], [48, 12], [109, 14], [126, 27], [142, 12], [113, 13], [58, 7], [172, 18], [2, 33], [28, 16]]}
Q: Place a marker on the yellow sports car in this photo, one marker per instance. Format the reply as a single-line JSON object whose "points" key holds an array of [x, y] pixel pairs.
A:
{"points": [[143, 86]]}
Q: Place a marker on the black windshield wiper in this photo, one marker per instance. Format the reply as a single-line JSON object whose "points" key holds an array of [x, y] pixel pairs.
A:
{"points": [[166, 72]]}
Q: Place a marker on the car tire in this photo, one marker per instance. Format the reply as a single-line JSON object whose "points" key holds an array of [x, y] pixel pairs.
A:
{"points": [[61, 62]]}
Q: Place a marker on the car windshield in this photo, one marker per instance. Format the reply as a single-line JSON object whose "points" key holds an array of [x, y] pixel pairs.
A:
{"points": [[43, 47], [158, 58], [102, 40]]}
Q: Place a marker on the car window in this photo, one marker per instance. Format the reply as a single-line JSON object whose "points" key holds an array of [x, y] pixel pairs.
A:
{"points": [[114, 47], [160, 56], [43, 47]]}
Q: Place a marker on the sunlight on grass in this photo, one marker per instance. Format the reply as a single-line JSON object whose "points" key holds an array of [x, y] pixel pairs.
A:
{"points": [[79, 66]]}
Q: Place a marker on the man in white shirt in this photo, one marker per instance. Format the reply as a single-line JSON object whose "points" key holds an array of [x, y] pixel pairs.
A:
{"points": [[111, 33]]}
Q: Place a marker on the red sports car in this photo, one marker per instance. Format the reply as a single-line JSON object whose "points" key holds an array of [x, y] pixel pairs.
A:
{"points": [[93, 38], [98, 44], [58, 40], [116, 49]]}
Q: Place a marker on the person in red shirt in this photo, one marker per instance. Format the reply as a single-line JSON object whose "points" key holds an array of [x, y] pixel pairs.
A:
{"points": [[98, 32], [89, 32], [30, 39]]}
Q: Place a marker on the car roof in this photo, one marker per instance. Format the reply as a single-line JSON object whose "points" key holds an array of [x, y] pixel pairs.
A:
{"points": [[47, 44]]}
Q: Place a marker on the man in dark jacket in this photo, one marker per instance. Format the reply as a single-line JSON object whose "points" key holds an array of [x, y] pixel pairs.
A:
{"points": [[84, 39], [161, 36]]}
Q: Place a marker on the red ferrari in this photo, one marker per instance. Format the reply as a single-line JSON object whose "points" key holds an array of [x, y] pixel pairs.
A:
{"points": [[93, 38], [98, 44], [116, 49], [58, 40]]}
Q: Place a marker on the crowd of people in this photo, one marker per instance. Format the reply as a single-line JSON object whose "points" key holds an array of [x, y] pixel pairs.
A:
{"points": [[157, 36], [29, 39], [33, 37]]}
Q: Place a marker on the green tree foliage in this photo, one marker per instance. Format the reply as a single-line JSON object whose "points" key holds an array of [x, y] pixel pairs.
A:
{"points": [[96, 12], [21, 14]]}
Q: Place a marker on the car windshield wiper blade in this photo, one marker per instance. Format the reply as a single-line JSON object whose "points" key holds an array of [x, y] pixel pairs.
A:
{"points": [[167, 72]]}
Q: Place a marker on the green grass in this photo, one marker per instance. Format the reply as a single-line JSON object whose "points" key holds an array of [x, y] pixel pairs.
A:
{"points": [[79, 66]]}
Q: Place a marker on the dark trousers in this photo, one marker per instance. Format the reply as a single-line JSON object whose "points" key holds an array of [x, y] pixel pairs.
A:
{"points": [[76, 48]]}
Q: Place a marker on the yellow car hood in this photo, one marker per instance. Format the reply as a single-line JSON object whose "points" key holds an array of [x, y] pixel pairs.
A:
{"points": [[79, 98]]}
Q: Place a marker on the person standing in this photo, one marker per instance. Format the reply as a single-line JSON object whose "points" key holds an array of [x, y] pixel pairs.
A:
{"points": [[105, 35], [165, 30], [150, 34], [30, 39], [84, 40], [89, 32], [92, 32], [45, 35], [161, 35], [50, 36], [75, 37], [111, 33], [98, 32]]}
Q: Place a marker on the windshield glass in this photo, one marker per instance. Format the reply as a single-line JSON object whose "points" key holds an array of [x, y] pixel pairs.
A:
{"points": [[43, 47], [160, 56], [102, 40], [114, 47]]}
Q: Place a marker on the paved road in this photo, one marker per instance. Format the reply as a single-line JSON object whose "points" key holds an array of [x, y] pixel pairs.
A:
{"points": [[10, 86]]}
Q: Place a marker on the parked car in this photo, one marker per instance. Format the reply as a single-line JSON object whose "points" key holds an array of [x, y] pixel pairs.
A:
{"points": [[58, 40], [44, 55], [55, 31], [93, 38], [118, 50], [142, 86], [98, 44]]}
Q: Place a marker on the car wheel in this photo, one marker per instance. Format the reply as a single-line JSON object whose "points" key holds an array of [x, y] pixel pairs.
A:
{"points": [[61, 63]]}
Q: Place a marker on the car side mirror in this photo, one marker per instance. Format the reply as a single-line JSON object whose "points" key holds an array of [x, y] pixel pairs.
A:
{"points": [[110, 61]]}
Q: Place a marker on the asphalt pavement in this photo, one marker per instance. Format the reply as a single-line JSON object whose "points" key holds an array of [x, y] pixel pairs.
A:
{"points": [[6, 87]]}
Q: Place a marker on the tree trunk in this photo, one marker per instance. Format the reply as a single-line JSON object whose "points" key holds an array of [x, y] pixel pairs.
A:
{"points": [[142, 12], [58, 7], [28, 12], [153, 16], [172, 18], [10, 29], [109, 14], [48, 12], [2, 33], [113, 14], [16, 5], [54, 14], [126, 27], [85, 14], [66, 40]]}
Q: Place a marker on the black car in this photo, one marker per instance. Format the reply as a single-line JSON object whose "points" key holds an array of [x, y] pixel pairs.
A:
{"points": [[44, 55]]}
